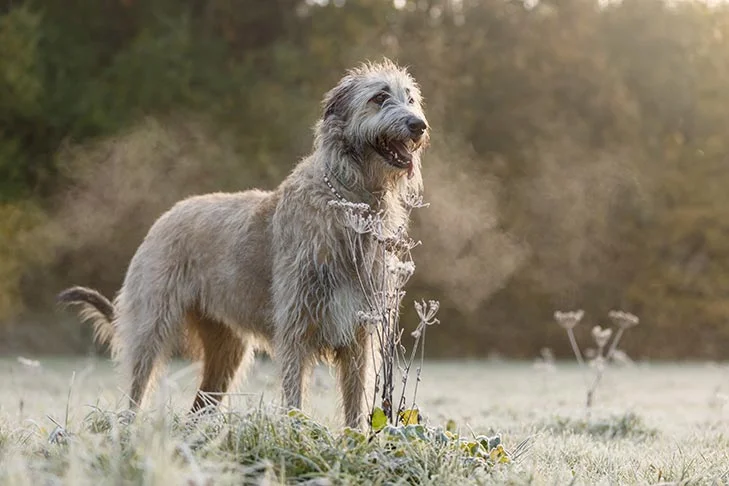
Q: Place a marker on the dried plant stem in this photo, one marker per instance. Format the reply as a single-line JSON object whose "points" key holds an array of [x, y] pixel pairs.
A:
{"points": [[420, 368], [614, 344], [593, 388], [575, 347], [406, 371]]}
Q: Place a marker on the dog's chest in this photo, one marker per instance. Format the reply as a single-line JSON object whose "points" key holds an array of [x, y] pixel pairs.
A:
{"points": [[337, 288]]}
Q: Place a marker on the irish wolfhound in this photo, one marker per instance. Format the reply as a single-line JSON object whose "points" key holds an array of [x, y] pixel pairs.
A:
{"points": [[226, 274]]}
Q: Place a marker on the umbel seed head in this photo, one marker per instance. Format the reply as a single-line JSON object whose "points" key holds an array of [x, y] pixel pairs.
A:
{"points": [[568, 320], [601, 335], [623, 320]]}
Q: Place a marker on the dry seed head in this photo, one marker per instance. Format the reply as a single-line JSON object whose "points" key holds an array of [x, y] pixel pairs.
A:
{"points": [[401, 271], [361, 223], [427, 312], [568, 320], [414, 200], [601, 335], [624, 320], [398, 245], [371, 320]]}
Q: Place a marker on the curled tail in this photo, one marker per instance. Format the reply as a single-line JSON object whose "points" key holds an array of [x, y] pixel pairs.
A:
{"points": [[95, 308]]}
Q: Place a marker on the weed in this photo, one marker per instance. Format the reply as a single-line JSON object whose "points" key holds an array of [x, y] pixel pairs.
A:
{"points": [[601, 358]]}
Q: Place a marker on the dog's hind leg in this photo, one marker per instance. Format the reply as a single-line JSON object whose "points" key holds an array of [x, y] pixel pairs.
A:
{"points": [[146, 335], [146, 363], [224, 353], [143, 356]]}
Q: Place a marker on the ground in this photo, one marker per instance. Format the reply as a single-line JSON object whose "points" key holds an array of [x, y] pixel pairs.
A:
{"points": [[651, 423]]}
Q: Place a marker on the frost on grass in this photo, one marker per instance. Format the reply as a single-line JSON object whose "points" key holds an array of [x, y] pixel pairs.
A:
{"points": [[163, 448], [259, 447], [627, 425]]}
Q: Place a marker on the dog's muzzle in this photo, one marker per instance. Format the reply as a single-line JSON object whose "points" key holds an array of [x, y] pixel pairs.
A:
{"points": [[416, 126]]}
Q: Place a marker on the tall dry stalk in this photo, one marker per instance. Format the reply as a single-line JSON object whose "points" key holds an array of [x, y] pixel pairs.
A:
{"points": [[383, 262]]}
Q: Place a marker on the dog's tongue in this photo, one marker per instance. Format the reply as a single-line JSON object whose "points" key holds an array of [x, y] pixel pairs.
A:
{"points": [[401, 149], [405, 156]]}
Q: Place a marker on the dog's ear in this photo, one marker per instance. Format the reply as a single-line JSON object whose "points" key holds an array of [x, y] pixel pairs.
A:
{"points": [[337, 99]]}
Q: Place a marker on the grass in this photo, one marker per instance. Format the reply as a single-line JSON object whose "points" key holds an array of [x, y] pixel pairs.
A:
{"points": [[652, 423]]}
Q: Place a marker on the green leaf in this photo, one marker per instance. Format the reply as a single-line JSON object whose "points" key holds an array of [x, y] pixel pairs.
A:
{"points": [[394, 433], [354, 437], [489, 443], [297, 414], [471, 447], [415, 432], [494, 442], [451, 426], [378, 419]]}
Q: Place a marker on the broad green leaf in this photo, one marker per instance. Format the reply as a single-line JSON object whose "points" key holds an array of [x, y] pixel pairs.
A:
{"points": [[378, 419], [451, 426]]}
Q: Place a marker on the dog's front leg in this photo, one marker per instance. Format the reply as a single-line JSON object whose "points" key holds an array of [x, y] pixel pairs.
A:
{"points": [[296, 367], [354, 366]]}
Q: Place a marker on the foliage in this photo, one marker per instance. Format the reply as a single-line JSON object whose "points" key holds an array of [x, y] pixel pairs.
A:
{"points": [[257, 446], [579, 146], [17, 249]]}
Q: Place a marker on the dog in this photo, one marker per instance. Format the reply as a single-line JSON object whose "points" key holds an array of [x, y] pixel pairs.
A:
{"points": [[225, 274]]}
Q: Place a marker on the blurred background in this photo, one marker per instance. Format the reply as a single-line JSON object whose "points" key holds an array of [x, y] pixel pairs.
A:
{"points": [[579, 158]]}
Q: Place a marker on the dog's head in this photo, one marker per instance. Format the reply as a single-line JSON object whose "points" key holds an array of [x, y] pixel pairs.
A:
{"points": [[375, 113]]}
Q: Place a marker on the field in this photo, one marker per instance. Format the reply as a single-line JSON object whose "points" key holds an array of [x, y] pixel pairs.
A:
{"points": [[652, 423]]}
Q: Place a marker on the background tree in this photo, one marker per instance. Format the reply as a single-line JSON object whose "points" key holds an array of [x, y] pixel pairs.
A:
{"points": [[579, 150]]}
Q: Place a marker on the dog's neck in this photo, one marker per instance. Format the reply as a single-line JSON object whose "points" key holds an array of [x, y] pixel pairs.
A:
{"points": [[338, 186], [357, 173]]}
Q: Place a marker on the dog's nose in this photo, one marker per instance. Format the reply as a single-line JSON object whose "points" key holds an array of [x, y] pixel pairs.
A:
{"points": [[416, 125]]}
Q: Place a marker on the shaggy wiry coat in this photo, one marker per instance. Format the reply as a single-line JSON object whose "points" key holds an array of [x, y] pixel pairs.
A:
{"points": [[226, 274]]}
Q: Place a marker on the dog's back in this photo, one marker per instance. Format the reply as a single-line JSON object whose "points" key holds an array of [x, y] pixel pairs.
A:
{"points": [[210, 253]]}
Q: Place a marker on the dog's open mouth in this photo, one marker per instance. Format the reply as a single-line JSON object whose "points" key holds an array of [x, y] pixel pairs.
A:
{"points": [[396, 153]]}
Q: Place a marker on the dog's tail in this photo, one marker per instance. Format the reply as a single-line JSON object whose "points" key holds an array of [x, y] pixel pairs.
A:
{"points": [[95, 308]]}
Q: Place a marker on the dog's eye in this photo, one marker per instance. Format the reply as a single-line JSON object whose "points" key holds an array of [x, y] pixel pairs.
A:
{"points": [[379, 98], [411, 101]]}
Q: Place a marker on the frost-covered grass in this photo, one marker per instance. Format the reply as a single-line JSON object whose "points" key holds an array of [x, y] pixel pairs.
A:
{"points": [[652, 423]]}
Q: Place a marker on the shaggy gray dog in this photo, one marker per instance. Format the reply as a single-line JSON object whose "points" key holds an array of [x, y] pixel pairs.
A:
{"points": [[226, 274]]}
